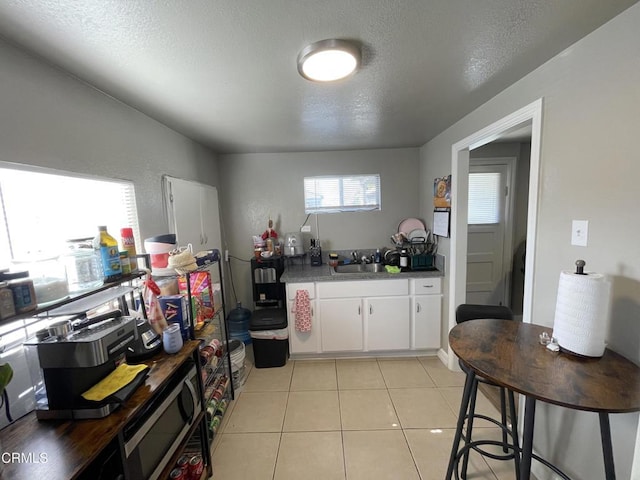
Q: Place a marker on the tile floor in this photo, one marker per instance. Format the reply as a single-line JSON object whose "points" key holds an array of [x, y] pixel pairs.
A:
{"points": [[348, 419]]}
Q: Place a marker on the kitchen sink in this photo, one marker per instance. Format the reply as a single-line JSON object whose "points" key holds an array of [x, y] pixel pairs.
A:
{"points": [[360, 268]]}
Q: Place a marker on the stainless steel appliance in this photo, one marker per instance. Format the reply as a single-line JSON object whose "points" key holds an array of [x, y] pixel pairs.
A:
{"points": [[72, 362], [146, 344], [293, 245], [153, 435]]}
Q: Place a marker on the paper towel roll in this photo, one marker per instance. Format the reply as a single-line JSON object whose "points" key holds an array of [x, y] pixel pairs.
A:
{"points": [[582, 310]]}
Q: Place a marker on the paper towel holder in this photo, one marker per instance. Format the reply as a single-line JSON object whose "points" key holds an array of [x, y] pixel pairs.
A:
{"points": [[580, 267]]}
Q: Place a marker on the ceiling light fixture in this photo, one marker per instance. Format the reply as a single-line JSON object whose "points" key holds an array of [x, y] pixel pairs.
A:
{"points": [[329, 60]]}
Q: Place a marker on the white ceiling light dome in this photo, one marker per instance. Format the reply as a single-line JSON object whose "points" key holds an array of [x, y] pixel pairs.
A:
{"points": [[329, 60]]}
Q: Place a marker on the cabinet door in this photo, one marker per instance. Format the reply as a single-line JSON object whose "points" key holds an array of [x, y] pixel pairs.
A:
{"points": [[210, 216], [387, 323], [341, 322], [426, 321], [183, 208], [303, 342]]}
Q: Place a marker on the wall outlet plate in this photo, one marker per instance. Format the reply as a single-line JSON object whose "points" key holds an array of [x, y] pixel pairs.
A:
{"points": [[305, 228], [579, 232]]}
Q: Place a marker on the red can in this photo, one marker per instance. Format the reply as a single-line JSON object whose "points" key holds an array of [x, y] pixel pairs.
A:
{"points": [[196, 467], [177, 474], [183, 463]]}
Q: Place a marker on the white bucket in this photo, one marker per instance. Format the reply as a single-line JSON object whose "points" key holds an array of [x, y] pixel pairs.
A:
{"points": [[237, 362]]}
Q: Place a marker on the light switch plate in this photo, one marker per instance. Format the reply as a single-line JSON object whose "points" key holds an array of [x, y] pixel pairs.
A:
{"points": [[579, 232], [305, 228]]}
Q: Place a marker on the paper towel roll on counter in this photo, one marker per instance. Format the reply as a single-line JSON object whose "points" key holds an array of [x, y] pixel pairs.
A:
{"points": [[582, 313]]}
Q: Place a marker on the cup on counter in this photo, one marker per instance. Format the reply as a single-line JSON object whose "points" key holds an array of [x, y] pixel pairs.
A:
{"points": [[172, 338]]}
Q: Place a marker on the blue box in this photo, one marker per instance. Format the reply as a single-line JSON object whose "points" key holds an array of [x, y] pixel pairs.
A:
{"points": [[174, 309]]}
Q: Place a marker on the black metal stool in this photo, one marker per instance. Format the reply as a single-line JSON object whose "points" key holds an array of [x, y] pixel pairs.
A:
{"points": [[466, 312]]}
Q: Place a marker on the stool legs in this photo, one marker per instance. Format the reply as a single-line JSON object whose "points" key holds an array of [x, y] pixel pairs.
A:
{"points": [[467, 413], [464, 406]]}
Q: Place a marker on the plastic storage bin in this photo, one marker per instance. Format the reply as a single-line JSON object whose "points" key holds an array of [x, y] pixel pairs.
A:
{"points": [[268, 330]]}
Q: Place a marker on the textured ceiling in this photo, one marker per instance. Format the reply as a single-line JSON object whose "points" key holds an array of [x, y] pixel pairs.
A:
{"points": [[223, 72]]}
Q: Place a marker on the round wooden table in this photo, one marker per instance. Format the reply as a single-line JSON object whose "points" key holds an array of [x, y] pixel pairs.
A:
{"points": [[510, 354]]}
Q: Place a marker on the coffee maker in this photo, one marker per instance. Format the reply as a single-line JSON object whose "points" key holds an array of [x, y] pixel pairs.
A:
{"points": [[72, 361]]}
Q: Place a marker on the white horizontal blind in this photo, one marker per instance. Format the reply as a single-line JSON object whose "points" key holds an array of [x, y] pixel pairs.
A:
{"points": [[40, 211], [484, 197], [342, 193]]}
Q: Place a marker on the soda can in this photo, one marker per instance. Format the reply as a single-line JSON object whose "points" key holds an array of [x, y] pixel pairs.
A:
{"points": [[178, 474], [196, 466], [183, 463]]}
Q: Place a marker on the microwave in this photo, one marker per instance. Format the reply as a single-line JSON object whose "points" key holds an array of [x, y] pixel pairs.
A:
{"points": [[151, 438]]}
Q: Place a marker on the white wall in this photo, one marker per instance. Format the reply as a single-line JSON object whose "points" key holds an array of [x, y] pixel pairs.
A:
{"points": [[50, 119], [257, 186], [589, 170]]}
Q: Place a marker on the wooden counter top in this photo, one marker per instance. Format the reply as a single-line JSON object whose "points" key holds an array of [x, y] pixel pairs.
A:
{"points": [[61, 449]]}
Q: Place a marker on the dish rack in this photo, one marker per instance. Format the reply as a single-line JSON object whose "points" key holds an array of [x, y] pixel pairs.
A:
{"points": [[421, 261]]}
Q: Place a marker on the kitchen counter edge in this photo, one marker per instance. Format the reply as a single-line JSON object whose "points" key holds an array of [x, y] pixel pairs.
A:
{"points": [[323, 273]]}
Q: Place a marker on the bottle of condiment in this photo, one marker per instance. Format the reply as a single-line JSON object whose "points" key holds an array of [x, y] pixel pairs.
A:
{"points": [[107, 249], [404, 258], [128, 243]]}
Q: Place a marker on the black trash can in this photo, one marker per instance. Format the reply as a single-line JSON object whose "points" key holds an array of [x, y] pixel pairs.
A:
{"points": [[270, 338]]}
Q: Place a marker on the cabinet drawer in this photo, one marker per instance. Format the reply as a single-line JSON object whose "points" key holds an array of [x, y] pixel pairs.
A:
{"points": [[362, 288], [426, 286], [292, 288]]}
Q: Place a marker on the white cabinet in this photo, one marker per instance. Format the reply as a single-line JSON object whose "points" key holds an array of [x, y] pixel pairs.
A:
{"points": [[368, 316], [426, 313], [193, 213], [303, 342], [387, 323], [341, 320]]}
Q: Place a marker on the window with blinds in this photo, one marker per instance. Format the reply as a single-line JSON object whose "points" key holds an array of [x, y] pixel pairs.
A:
{"points": [[484, 198], [40, 211], [342, 193]]}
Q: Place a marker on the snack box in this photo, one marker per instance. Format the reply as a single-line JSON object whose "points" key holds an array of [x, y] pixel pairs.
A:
{"points": [[174, 308]]}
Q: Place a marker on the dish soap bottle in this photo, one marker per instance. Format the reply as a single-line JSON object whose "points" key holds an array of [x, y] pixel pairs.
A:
{"points": [[106, 248]]}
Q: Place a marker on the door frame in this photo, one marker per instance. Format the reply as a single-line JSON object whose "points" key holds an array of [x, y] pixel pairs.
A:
{"points": [[509, 212], [459, 190]]}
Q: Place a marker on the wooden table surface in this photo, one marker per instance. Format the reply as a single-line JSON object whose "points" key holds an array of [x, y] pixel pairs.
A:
{"points": [[510, 354], [61, 449]]}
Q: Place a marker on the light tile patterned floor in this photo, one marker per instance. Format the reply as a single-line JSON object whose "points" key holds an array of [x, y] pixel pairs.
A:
{"points": [[348, 420]]}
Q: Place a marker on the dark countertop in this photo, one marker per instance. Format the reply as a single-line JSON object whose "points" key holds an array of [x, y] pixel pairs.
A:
{"points": [[323, 273], [64, 448]]}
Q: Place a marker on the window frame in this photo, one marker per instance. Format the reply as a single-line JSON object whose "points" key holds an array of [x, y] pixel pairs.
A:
{"points": [[341, 192]]}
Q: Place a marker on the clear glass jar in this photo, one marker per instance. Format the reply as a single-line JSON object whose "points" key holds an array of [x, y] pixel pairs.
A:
{"points": [[82, 265], [48, 276]]}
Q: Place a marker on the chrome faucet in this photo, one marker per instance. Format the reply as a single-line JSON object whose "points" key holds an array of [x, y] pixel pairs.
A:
{"points": [[355, 256]]}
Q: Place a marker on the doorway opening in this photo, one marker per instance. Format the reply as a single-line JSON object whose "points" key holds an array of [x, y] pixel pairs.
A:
{"points": [[528, 116]]}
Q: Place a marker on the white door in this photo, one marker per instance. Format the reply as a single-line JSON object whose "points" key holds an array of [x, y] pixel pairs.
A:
{"points": [[426, 319], [210, 215], [387, 323], [488, 268], [193, 213], [341, 321]]}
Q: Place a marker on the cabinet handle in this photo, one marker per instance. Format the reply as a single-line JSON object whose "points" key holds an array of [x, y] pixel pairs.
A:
{"points": [[427, 286], [417, 308], [370, 309], [359, 310]]}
